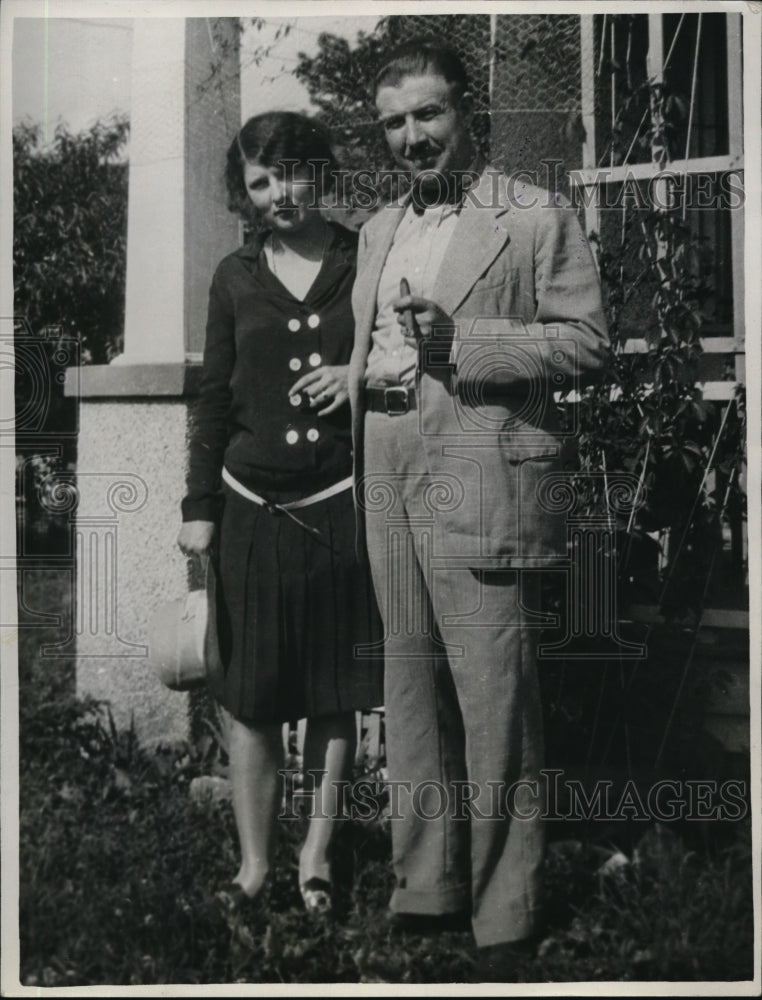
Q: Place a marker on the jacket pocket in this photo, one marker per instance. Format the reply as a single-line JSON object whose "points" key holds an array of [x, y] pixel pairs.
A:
{"points": [[494, 294], [496, 277], [518, 451], [520, 440]]}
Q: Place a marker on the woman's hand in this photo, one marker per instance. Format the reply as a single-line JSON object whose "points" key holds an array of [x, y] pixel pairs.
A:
{"points": [[196, 537], [325, 386]]}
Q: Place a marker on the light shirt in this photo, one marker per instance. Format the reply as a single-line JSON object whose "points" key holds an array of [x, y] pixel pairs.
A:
{"points": [[416, 253]]}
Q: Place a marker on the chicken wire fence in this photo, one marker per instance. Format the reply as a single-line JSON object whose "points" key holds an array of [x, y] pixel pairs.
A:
{"points": [[525, 75], [536, 104], [524, 71]]}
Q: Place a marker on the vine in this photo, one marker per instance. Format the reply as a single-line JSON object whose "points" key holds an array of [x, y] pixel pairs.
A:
{"points": [[647, 416]]}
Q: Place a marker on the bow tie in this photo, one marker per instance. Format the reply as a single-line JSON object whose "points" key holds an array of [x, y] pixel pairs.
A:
{"points": [[432, 190]]}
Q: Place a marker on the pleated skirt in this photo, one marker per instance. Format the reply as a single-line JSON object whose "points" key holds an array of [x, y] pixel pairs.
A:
{"points": [[300, 633]]}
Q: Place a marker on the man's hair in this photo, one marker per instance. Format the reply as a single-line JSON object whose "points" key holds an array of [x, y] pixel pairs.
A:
{"points": [[417, 58]]}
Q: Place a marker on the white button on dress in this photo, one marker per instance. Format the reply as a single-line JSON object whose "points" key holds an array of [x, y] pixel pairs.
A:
{"points": [[294, 364], [315, 360], [313, 434], [313, 321], [292, 437], [294, 325]]}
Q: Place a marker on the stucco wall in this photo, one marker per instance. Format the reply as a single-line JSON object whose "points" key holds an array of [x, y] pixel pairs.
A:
{"points": [[131, 471]]}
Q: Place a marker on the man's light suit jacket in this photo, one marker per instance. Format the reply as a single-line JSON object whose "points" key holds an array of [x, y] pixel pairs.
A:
{"points": [[520, 283]]}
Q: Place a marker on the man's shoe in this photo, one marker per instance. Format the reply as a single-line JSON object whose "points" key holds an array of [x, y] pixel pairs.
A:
{"points": [[429, 924], [501, 963]]}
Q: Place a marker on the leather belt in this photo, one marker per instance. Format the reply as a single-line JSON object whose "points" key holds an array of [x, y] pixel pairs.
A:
{"points": [[393, 400]]}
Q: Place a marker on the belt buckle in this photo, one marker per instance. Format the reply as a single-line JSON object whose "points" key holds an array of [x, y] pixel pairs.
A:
{"points": [[396, 400]]}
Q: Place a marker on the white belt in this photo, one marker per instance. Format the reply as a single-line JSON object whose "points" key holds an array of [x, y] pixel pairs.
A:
{"points": [[329, 491]]}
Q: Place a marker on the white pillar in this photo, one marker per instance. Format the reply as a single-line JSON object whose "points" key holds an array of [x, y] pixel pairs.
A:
{"points": [[134, 415], [154, 307], [178, 225]]}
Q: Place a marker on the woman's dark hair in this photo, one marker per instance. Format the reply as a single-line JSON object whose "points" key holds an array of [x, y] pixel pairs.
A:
{"points": [[272, 138], [417, 58]]}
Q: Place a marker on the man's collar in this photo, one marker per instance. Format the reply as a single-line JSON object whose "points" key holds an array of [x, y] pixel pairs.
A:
{"points": [[431, 214], [443, 190]]}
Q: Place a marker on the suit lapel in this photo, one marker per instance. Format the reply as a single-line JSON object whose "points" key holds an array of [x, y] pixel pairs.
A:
{"points": [[364, 296], [367, 281], [479, 236]]}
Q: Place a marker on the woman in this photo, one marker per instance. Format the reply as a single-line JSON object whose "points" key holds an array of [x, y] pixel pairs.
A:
{"points": [[270, 462]]}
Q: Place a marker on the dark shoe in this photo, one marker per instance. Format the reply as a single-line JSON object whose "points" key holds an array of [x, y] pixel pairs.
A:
{"points": [[233, 900], [501, 963], [317, 896], [241, 911], [429, 924]]}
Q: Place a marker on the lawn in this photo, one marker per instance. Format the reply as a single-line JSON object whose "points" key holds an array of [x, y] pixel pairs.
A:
{"points": [[119, 865]]}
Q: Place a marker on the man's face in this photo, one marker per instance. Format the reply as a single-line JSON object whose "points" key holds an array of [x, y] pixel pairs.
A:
{"points": [[426, 124]]}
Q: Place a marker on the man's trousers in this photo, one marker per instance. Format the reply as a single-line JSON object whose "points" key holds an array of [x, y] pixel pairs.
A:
{"points": [[463, 719]]}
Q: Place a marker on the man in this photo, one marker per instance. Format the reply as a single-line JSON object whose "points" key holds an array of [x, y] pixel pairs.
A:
{"points": [[456, 435]]}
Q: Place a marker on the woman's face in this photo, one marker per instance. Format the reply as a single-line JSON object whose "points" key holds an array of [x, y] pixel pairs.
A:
{"points": [[283, 199]]}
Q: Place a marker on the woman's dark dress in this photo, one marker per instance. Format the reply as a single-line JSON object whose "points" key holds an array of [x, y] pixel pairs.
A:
{"points": [[293, 607]]}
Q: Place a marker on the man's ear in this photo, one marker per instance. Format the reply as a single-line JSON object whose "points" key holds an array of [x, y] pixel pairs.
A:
{"points": [[465, 105]]}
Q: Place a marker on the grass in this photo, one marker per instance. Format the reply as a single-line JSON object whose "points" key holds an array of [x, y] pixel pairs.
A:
{"points": [[118, 868]]}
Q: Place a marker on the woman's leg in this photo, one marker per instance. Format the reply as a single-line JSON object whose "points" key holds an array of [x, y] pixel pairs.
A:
{"points": [[256, 754], [329, 747]]}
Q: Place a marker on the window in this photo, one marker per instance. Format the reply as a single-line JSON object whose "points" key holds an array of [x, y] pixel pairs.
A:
{"points": [[662, 110]]}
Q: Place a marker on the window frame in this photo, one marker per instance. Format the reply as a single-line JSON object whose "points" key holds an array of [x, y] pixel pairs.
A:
{"points": [[592, 175]]}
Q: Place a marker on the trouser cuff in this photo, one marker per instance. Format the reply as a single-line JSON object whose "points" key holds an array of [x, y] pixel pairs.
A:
{"points": [[433, 903], [524, 924]]}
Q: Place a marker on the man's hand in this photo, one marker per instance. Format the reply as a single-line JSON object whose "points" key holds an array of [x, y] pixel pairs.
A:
{"points": [[427, 316], [326, 386], [196, 537]]}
